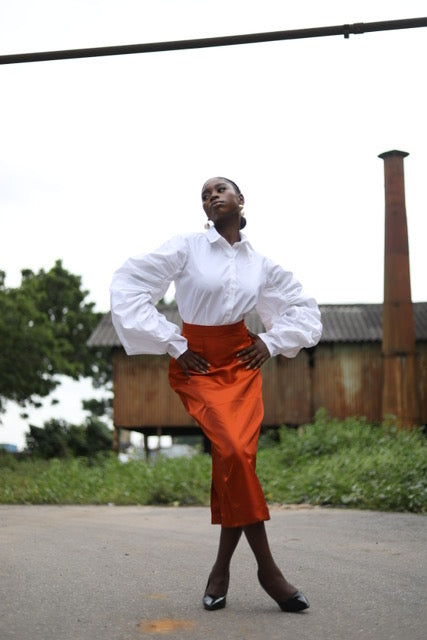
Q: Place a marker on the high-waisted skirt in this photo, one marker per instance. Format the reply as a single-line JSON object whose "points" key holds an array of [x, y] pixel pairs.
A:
{"points": [[227, 404]]}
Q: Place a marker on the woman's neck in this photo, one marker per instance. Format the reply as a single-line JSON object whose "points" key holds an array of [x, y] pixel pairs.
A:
{"points": [[229, 232]]}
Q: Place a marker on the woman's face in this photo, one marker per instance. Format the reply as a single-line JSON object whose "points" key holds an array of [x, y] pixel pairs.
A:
{"points": [[219, 199]]}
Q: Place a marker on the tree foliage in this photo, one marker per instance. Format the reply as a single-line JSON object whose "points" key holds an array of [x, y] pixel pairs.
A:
{"points": [[98, 407], [59, 439], [44, 327]]}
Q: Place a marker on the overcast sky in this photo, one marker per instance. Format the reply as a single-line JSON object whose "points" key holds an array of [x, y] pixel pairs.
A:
{"points": [[104, 158]]}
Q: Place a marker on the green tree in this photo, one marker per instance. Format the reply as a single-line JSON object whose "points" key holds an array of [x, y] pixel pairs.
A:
{"points": [[49, 441], [60, 439], [99, 438], [44, 327], [98, 408]]}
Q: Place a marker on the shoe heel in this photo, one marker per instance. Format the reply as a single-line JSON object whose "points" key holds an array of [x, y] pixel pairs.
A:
{"points": [[297, 602], [213, 603]]}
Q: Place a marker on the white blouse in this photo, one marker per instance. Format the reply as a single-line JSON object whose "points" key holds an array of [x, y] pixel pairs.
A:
{"points": [[216, 284]]}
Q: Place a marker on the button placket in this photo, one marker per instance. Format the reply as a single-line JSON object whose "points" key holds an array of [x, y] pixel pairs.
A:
{"points": [[232, 283]]}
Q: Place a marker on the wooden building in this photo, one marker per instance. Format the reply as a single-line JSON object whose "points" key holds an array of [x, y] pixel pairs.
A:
{"points": [[343, 374]]}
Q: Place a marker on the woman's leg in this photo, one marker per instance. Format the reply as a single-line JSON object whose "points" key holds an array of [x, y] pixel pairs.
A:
{"points": [[270, 576], [218, 579]]}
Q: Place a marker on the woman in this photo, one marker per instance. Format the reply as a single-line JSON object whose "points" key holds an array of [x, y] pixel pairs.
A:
{"points": [[215, 362]]}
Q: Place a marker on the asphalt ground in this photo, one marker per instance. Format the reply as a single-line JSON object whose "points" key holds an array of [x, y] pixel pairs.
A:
{"points": [[129, 573]]}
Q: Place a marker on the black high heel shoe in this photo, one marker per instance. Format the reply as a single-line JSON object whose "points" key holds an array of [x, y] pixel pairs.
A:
{"points": [[297, 602], [212, 603]]}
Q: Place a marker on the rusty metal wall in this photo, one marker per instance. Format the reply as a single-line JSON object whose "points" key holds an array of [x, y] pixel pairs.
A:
{"points": [[421, 368], [142, 395], [346, 379], [287, 390]]}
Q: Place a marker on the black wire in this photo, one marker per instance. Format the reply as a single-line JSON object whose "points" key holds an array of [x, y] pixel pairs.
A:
{"points": [[222, 41]]}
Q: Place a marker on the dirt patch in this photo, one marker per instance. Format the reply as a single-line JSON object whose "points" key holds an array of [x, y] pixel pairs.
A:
{"points": [[166, 625]]}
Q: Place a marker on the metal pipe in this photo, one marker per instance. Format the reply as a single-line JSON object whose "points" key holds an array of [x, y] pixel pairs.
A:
{"points": [[222, 41]]}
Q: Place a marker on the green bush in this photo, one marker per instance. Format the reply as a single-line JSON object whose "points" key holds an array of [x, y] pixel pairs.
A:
{"points": [[347, 464], [60, 439]]}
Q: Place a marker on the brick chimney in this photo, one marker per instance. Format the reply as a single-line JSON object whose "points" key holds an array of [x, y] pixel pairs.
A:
{"points": [[399, 397]]}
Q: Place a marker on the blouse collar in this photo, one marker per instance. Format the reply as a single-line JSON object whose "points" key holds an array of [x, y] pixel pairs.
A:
{"points": [[213, 236]]}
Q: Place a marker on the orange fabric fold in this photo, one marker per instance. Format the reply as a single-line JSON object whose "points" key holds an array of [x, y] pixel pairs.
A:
{"points": [[227, 404]]}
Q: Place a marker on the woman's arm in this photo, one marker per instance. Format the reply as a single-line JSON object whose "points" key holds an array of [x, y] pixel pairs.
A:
{"points": [[291, 318], [135, 289]]}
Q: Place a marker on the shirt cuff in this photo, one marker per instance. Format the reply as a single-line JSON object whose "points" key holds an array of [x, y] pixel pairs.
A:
{"points": [[177, 347], [267, 341]]}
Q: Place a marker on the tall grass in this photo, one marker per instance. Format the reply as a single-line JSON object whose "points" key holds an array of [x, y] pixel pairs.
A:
{"points": [[348, 464], [106, 480]]}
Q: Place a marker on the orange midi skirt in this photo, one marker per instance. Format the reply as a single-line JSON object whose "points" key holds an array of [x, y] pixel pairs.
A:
{"points": [[227, 404]]}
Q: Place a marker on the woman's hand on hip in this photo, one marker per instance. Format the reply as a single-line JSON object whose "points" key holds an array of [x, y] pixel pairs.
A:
{"points": [[255, 355], [191, 361]]}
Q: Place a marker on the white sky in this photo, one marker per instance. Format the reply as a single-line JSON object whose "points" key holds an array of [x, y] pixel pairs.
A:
{"points": [[104, 158]]}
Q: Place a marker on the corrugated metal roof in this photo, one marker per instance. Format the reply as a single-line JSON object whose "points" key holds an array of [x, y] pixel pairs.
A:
{"points": [[341, 323], [352, 323]]}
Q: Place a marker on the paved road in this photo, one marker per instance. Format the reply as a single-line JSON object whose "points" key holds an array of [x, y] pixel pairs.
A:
{"points": [[129, 573]]}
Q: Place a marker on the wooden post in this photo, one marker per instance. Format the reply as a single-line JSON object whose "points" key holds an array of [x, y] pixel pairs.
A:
{"points": [[116, 440], [146, 449], [399, 397]]}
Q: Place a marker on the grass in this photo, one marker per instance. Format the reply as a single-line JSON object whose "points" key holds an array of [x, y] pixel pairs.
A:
{"points": [[346, 464], [106, 480]]}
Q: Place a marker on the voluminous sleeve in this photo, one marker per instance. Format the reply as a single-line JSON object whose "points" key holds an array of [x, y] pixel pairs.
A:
{"points": [[291, 318], [135, 289]]}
